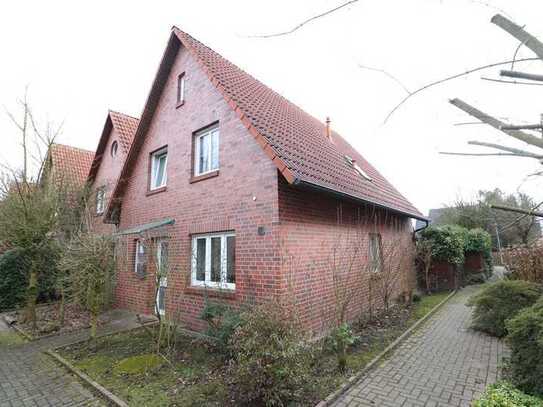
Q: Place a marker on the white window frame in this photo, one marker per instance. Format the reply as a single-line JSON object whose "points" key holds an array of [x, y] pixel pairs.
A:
{"points": [[137, 259], [207, 279], [206, 133], [155, 159], [376, 264], [181, 89], [100, 201]]}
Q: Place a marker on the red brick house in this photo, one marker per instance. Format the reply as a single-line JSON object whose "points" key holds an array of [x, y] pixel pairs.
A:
{"points": [[67, 164], [113, 147], [247, 194]]}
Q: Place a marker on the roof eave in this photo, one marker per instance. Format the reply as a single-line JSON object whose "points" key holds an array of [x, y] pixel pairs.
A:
{"points": [[343, 195]]}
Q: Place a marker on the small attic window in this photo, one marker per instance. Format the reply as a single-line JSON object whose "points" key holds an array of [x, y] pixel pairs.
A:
{"points": [[357, 167], [114, 148]]}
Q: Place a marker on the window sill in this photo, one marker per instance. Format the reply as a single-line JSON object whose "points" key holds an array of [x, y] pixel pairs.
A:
{"points": [[156, 191], [211, 292], [178, 105], [204, 176]]}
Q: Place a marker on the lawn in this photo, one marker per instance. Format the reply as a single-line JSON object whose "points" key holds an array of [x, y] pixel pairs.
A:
{"points": [[196, 375]]}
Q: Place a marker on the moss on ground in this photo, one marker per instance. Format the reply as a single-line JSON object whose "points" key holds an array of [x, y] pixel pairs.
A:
{"points": [[197, 374], [10, 339]]}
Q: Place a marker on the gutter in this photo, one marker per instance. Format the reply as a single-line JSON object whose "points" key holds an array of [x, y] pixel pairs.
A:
{"points": [[298, 182]]}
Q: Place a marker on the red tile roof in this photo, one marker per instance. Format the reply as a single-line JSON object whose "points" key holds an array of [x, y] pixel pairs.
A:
{"points": [[125, 126], [293, 139], [70, 163], [298, 140]]}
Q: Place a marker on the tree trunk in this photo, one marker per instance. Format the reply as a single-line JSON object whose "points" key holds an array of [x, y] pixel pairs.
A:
{"points": [[61, 310], [31, 297]]}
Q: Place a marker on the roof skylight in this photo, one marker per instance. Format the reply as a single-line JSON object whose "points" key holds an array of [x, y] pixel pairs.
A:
{"points": [[357, 168]]}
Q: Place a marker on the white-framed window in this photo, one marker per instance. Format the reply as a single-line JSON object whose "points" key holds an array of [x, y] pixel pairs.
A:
{"points": [[181, 88], [100, 201], [159, 176], [213, 260], [162, 246], [140, 260], [206, 155], [376, 255]]}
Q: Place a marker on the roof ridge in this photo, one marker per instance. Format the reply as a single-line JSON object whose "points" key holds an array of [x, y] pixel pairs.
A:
{"points": [[122, 114], [72, 147]]}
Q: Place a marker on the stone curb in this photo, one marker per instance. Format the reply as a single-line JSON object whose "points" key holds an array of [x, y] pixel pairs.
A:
{"points": [[351, 381], [112, 398], [18, 330]]}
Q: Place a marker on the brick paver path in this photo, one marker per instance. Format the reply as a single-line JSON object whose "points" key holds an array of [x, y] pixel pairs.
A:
{"points": [[29, 377], [444, 363]]}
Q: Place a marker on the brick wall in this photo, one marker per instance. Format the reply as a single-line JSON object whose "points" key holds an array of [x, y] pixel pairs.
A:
{"points": [[106, 177], [242, 198], [325, 246]]}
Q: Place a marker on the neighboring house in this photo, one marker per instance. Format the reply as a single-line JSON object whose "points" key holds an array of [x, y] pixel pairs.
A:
{"points": [[113, 147], [67, 165], [245, 195]]}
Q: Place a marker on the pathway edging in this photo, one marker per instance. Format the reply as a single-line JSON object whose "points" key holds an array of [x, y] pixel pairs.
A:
{"points": [[95, 385], [351, 381]]}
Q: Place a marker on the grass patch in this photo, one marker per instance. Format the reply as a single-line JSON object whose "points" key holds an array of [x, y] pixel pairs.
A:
{"points": [[197, 376], [10, 339]]}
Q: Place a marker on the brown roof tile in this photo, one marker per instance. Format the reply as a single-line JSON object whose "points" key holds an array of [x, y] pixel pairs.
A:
{"points": [[70, 163], [297, 139]]}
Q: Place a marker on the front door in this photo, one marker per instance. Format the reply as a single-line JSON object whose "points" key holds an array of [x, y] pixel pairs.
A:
{"points": [[162, 275]]}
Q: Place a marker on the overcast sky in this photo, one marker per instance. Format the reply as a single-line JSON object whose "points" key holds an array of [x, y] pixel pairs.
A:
{"points": [[82, 58]]}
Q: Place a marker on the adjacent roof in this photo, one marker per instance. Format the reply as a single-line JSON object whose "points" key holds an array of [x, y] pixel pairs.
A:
{"points": [[68, 161], [146, 227], [125, 126], [293, 139]]}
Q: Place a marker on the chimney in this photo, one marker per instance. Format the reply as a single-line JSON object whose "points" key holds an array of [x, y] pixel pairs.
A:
{"points": [[328, 131]]}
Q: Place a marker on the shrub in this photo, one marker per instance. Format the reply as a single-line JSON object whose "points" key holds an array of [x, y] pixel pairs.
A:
{"points": [[478, 278], [14, 272], [447, 243], [505, 395], [500, 301], [525, 262], [525, 337], [222, 321], [479, 241], [339, 341], [272, 363]]}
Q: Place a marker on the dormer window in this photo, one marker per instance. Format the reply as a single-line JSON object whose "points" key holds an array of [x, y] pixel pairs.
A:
{"points": [[114, 148], [181, 89], [357, 167]]}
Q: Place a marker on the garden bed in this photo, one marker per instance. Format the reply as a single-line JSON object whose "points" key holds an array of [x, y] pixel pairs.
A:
{"points": [[47, 317], [197, 375]]}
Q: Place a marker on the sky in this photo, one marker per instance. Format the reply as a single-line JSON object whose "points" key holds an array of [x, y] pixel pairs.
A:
{"points": [[79, 59]]}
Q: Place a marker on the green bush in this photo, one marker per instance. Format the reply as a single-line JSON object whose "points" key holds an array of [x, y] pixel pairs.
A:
{"points": [[339, 341], [525, 337], [272, 362], [447, 243], [13, 278], [222, 321], [500, 301], [479, 241], [505, 395]]}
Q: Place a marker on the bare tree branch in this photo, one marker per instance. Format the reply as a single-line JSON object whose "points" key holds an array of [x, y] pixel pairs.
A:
{"points": [[448, 78], [510, 82], [481, 154], [387, 74], [517, 210], [497, 124], [522, 75], [307, 21], [519, 33], [516, 151]]}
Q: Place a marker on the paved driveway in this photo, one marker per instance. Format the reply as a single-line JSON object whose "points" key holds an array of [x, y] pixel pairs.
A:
{"points": [[28, 377], [443, 364]]}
